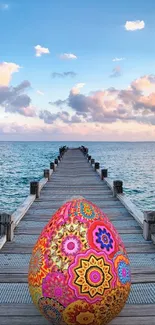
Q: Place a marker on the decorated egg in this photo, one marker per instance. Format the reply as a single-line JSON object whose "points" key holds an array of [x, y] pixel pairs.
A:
{"points": [[79, 272]]}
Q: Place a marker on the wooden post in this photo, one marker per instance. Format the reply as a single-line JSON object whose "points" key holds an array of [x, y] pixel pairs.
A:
{"points": [[34, 189], [6, 226], [52, 166], [89, 157], [97, 165], [56, 161], [59, 158], [148, 224], [117, 187], [92, 161], [47, 173], [104, 173]]}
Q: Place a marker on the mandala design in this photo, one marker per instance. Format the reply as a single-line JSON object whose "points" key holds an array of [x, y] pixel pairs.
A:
{"points": [[55, 285], [59, 218], [122, 266], [111, 305], [91, 275], [36, 293], [79, 313], [52, 310], [68, 241], [37, 267], [85, 211], [101, 238], [79, 272]]}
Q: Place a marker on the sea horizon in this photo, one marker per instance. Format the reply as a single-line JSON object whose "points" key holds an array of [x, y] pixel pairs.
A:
{"points": [[24, 161]]}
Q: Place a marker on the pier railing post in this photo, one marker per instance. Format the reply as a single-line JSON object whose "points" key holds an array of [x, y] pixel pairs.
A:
{"points": [[117, 187], [89, 157], [84, 150], [97, 165], [52, 166], [148, 224], [47, 173], [56, 161], [92, 161], [6, 226], [62, 150], [104, 173], [34, 189]]}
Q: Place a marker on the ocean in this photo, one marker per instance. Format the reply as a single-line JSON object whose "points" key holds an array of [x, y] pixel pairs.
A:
{"points": [[131, 162]]}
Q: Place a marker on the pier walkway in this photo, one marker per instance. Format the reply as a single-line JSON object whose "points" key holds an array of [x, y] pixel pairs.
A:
{"points": [[75, 176]]}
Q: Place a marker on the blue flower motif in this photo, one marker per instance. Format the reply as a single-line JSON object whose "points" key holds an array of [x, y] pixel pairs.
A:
{"points": [[87, 211], [49, 308], [104, 239], [124, 272]]}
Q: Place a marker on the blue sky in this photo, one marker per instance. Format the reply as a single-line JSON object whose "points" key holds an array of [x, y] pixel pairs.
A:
{"points": [[94, 31]]}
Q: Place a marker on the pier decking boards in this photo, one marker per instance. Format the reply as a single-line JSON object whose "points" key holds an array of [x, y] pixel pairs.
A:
{"points": [[74, 176]]}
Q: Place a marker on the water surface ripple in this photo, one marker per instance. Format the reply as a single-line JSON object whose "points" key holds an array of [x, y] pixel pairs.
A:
{"points": [[22, 162]]}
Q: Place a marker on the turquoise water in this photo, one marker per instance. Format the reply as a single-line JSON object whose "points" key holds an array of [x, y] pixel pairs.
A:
{"points": [[22, 162]]}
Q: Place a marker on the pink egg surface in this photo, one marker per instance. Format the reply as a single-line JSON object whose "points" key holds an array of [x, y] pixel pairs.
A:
{"points": [[79, 272]]}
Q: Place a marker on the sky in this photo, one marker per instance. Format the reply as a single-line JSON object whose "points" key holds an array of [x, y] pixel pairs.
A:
{"points": [[77, 70]]}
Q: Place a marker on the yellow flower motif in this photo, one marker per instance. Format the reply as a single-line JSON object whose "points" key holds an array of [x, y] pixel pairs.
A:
{"points": [[93, 276], [85, 318], [80, 312]]}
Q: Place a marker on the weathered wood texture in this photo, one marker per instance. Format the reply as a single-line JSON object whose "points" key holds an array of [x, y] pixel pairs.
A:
{"points": [[75, 176]]}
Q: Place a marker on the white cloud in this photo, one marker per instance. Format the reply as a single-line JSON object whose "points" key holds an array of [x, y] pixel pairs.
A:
{"points": [[76, 89], [111, 105], [118, 59], [40, 93], [4, 6], [6, 71], [41, 50], [15, 100], [68, 56], [134, 25]]}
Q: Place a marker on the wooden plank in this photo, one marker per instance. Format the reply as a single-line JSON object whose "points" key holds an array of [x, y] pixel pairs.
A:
{"points": [[131, 207], [31, 310], [26, 320], [37, 230], [2, 241], [110, 211], [40, 320], [23, 208], [144, 320], [51, 205]]}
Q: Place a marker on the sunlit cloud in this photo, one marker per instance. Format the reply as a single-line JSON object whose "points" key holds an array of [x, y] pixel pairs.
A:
{"points": [[68, 56], [77, 87], [135, 103], [134, 25], [6, 71], [41, 50]]}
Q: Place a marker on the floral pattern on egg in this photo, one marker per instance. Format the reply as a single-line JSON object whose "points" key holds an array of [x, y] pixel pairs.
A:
{"points": [[79, 271]]}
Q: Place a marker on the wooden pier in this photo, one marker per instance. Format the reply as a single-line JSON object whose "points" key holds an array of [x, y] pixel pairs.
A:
{"points": [[75, 174]]}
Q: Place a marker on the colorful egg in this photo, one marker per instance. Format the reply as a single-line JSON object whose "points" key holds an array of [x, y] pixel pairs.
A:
{"points": [[79, 271]]}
